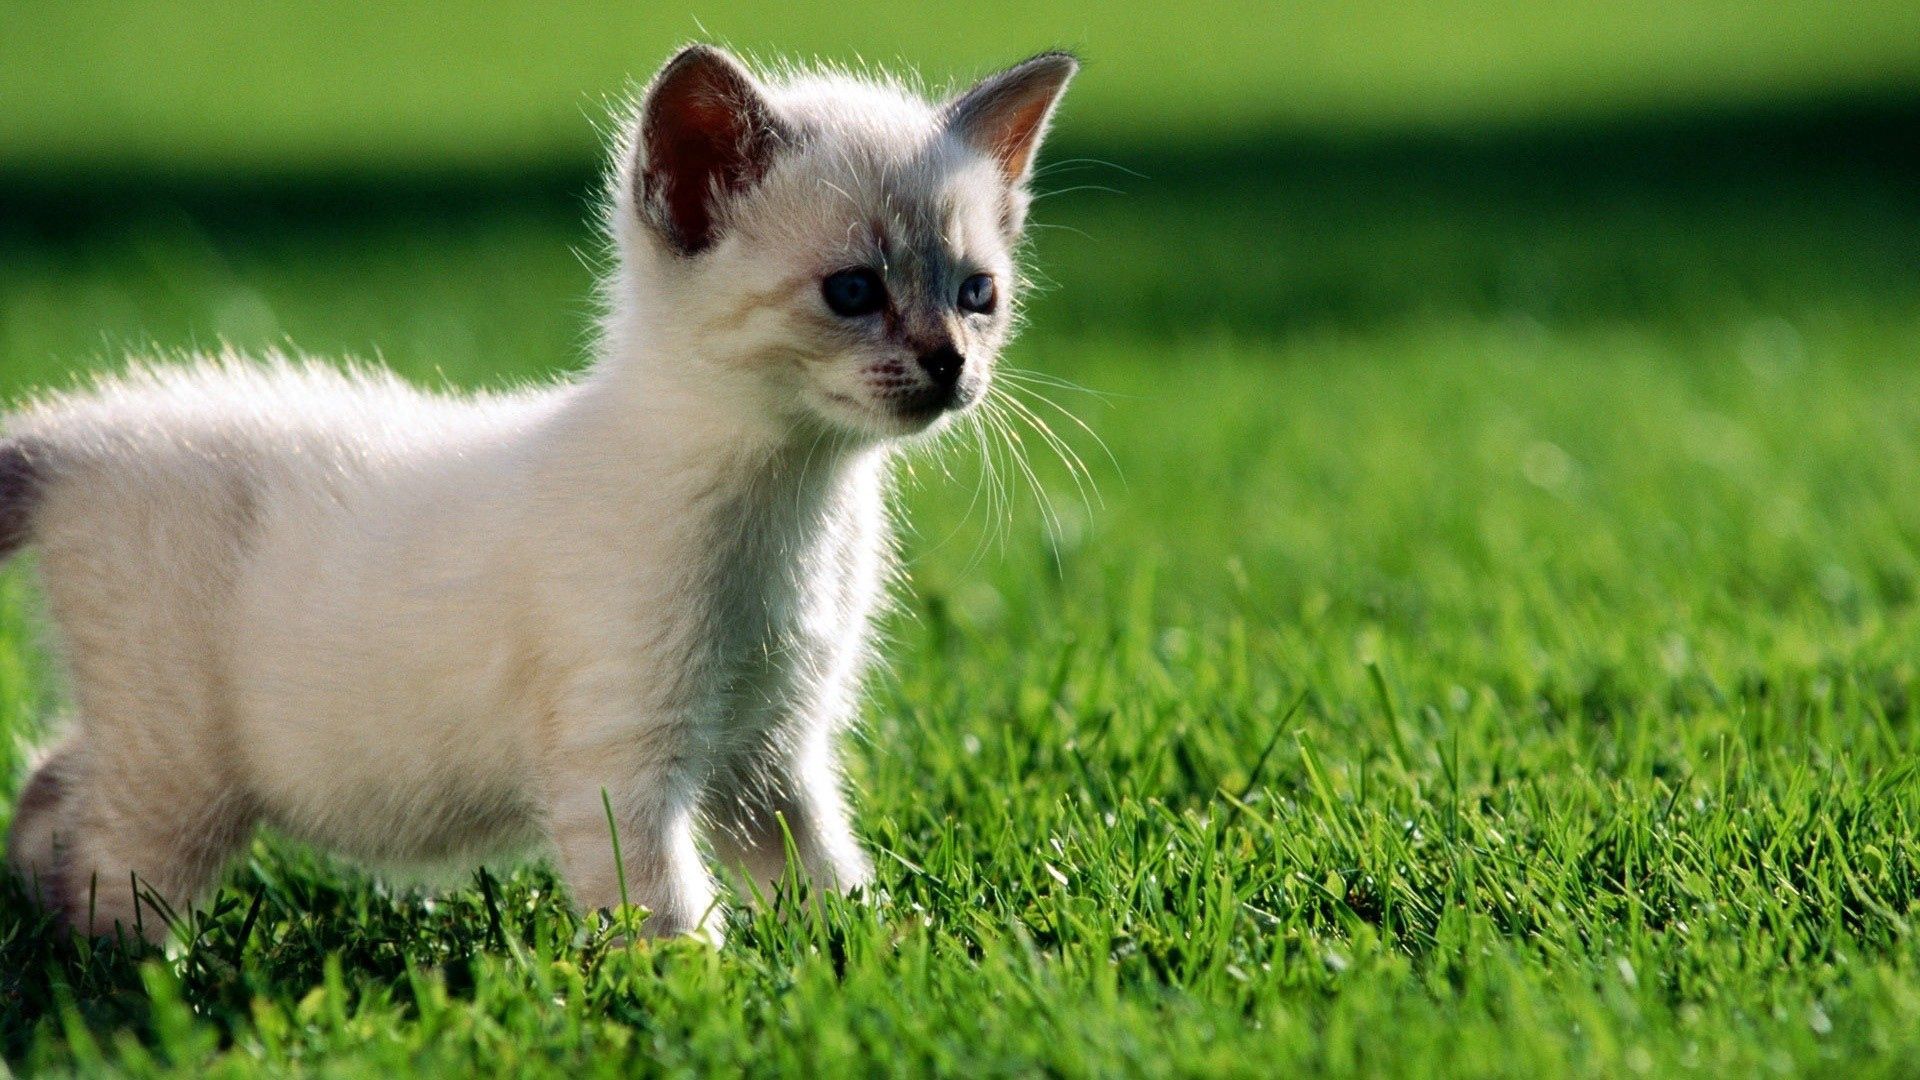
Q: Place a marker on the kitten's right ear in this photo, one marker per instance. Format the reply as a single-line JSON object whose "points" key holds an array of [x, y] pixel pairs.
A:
{"points": [[707, 133]]}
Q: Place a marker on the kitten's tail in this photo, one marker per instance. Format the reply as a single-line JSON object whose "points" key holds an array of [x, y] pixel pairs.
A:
{"points": [[21, 482]]}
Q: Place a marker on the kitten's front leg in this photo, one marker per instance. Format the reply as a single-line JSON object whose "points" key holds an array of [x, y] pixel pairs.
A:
{"points": [[804, 792], [652, 818]]}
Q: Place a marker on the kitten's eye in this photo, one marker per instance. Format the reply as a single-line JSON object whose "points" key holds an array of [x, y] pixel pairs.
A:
{"points": [[856, 292], [977, 294]]}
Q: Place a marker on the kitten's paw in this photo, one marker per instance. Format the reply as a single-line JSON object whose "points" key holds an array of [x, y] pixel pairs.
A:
{"points": [[712, 932], [852, 875], [637, 925]]}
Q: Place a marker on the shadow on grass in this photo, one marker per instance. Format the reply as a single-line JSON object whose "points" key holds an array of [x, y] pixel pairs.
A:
{"points": [[283, 917], [1661, 216]]}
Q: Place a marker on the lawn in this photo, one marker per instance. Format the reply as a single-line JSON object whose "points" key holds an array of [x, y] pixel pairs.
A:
{"points": [[1484, 637]]}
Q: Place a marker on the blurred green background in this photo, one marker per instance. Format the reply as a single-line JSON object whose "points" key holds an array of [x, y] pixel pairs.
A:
{"points": [[1531, 391], [1227, 168], [201, 86]]}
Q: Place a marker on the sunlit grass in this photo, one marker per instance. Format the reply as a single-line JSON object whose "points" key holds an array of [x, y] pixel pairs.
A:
{"points": [[1479, 693]]}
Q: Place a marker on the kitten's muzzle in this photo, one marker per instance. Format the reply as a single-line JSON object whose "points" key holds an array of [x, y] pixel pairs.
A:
{"points": [[943, 366], [942, 390]]}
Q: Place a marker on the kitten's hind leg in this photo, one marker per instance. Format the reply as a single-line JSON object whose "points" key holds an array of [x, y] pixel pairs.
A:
{"points": [[37, 837], [112, 849]]}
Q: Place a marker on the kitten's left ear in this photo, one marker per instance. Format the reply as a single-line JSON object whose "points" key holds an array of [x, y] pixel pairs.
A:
{"points": [[1005, 115], [707, 133]]}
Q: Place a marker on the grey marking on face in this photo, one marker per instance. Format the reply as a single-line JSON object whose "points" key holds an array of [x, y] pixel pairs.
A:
{"points": [[925, 273]]}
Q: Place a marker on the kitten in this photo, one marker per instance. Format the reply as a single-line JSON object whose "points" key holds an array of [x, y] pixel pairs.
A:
{"points": [[424, 631]]}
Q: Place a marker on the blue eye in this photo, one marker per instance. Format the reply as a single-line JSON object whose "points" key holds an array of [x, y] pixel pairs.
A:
{"points": [[977, 294], [855, 292]]}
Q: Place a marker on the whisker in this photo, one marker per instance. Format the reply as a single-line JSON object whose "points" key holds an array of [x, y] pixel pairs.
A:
{"points": [[996, 424], [1101, 188], [1063, 228], [1076, 468], [1024, 375], [1049, 514], [979, 426], [1082, 425], [968, 426], [996, 490], [1068, 164]]}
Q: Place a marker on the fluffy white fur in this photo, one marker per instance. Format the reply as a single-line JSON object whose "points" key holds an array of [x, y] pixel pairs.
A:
{"points": [[427, 630]]}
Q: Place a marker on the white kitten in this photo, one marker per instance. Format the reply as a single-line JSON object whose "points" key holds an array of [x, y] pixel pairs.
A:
{"points": [[422, 630]]}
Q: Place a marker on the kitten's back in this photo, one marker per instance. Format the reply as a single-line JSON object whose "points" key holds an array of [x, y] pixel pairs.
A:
{"points": [[251, 429]]}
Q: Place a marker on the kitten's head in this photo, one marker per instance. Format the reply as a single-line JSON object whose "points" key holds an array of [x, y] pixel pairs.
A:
{"points": [[834, 252]]}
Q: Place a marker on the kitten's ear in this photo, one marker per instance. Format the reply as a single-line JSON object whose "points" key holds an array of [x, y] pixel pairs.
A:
{"points": [[1005, 115], [706, 134]]}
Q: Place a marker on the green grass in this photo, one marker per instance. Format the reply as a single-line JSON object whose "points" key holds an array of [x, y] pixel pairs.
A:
{"points": [[1493, 647], [210, 87]]}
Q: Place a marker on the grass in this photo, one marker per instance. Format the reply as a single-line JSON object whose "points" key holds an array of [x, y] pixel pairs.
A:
{"points": [[216, 86], [1492, 649]]}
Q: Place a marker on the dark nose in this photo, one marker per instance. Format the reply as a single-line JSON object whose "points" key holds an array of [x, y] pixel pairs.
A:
{"points": [[943, 365]]}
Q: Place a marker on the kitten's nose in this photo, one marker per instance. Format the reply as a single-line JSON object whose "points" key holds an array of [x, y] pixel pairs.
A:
{"points": [[943, 365]]}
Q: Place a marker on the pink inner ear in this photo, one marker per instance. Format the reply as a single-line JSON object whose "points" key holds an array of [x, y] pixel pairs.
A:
{"points": [[1006, 114], [707, 134], [1017, 134]]}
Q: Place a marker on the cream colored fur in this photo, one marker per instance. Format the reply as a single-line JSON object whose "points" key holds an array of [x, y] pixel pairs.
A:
{"points": [[424, 630]]}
